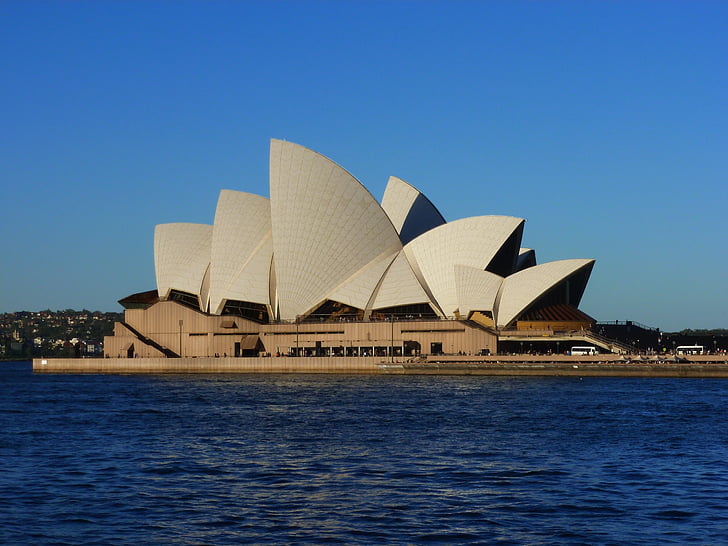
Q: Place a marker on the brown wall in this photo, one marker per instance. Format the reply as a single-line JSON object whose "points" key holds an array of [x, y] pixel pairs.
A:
{"points": [[203, 335]]}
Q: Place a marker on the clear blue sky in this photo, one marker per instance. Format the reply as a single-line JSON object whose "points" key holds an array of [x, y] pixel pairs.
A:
{"points": [[604, 124]]}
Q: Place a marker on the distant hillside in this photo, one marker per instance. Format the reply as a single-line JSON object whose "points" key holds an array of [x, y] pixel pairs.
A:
{"points": [[703, 332], [27, 334]]}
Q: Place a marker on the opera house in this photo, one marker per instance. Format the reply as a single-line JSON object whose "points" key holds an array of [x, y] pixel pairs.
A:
{"points": [[322, 268]]}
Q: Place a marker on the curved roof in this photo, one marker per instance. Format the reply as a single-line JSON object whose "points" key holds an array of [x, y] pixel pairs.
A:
{"points": [[521, 289], [411, 213], [242, 249], [322, 236], [181, 257], [476, 289], [326, 227], [399, 286], [357, 291], [472, 242]]}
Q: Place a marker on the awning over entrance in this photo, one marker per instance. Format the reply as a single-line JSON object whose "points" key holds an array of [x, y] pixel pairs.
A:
{"points": [[250, 342]]}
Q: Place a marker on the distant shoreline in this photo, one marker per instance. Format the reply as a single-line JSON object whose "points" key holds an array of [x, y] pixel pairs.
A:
{"points": [[518, 365]]}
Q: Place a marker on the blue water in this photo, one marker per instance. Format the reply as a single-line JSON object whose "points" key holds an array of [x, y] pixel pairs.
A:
{"points": [[231, 459]]}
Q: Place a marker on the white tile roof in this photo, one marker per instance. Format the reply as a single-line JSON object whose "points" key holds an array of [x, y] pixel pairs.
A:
{"points": [[400, 286], [322, 236], [411, 213], [521, 289], [182, 256], [326, 227], [476, 289], [242, 249], [472, 242]]}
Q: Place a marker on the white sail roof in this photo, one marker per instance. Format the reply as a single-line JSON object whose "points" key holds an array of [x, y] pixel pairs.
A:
{"points": [[326, 227], [472, 242], [358, 289], [399, 286], [322, 236], [242, 249], [521, 289], [476, 289], [181, 257], [411, 213]]}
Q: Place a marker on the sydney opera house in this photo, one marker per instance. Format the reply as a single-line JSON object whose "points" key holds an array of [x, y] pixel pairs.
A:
{"points": [[322, 268]]}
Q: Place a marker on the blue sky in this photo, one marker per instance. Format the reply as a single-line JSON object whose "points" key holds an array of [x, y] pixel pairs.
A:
{"points": [[604, 124]]}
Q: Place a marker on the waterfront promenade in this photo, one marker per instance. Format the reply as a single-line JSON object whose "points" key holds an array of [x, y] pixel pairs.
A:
{"points": [[544, 365]]}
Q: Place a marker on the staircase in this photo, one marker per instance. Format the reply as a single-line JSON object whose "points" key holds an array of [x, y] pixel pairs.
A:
{"points": [[581, 336], [147, 341], [612, 345]]}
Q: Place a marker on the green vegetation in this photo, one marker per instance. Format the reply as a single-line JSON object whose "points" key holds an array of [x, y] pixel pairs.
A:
{"points": [[703, 332], [29, 334]]}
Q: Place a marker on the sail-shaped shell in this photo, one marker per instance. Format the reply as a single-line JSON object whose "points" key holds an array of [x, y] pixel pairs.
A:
{"points": [[476, 289], [326, 228], [522, 289], [322, 237], [242, 250], [411, 213], [182, 258], [472, 242], [400, 286]]}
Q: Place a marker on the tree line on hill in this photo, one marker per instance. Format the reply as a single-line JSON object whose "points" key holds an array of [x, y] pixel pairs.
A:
{"points": [[704, 332], [29, 334]]}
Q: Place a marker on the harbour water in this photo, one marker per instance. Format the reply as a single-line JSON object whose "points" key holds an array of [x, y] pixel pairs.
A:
{"points": [[312, 459]]}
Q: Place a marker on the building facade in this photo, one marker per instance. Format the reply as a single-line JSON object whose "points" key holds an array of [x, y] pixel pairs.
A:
{"points": [[323, 268]]}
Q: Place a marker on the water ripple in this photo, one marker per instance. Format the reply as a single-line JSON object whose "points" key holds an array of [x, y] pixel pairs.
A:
{"points": [[360, 460]]}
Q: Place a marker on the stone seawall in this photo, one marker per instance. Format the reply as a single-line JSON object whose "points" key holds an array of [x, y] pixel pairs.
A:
{"points": [[495, 365], [207, 365]]}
